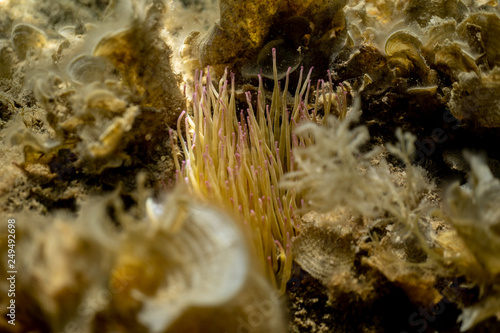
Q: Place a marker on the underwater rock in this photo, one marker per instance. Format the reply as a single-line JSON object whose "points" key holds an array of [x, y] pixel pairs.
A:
{"points": [[255, 25]]}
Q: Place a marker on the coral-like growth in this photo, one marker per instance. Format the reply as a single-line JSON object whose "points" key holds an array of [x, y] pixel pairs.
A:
{"points": [[335, 172]]}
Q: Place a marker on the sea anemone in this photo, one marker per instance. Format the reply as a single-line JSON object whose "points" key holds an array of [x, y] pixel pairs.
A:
{"points": [[238, 163]]}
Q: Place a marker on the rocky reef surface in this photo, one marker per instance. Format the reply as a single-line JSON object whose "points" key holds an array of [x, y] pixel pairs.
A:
{"points": [[250, 166]]}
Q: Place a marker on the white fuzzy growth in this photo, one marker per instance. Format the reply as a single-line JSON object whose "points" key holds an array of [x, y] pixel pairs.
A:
{"points": [[334, 172]]}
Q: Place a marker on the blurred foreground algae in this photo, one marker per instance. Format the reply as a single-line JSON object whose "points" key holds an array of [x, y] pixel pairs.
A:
{"points": [[164, 266]]}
